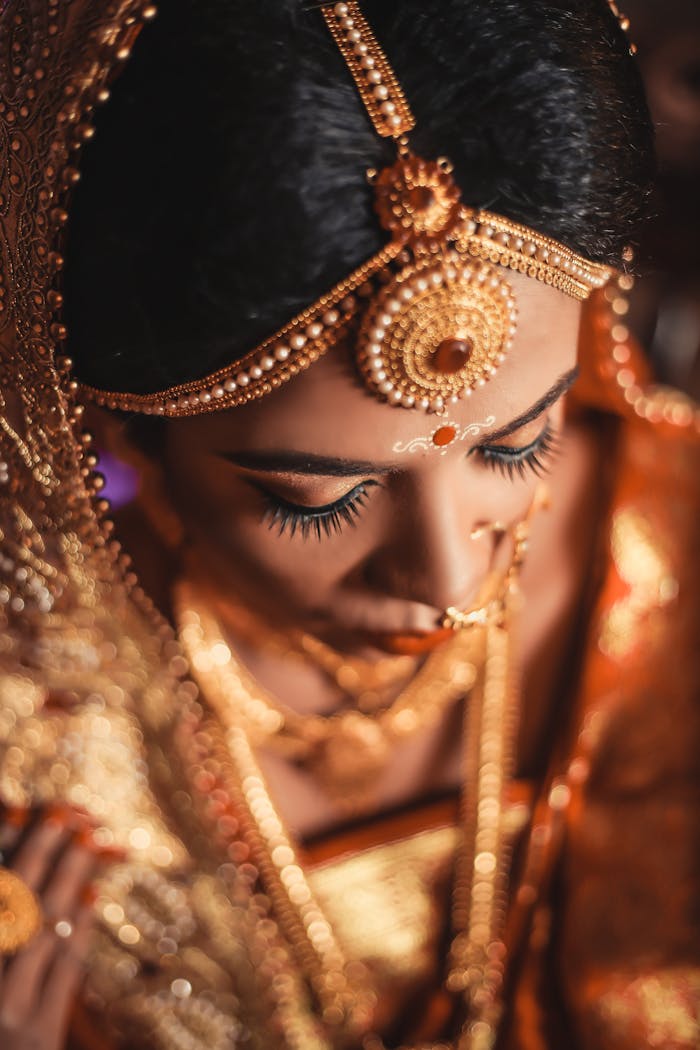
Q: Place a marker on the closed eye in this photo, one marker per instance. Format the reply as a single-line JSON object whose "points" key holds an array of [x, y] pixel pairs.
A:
{"points": [[330, 519], [537, 456]]}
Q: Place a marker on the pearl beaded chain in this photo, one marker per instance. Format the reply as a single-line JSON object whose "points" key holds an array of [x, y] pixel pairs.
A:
{"points": [[379, 89], [418, 203]]}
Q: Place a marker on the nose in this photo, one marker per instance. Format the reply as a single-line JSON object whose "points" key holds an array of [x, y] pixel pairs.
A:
{"points": [[430, 557]]}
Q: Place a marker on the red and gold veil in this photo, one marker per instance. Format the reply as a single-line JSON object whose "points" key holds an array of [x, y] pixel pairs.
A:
{"points": [[96, 703]]}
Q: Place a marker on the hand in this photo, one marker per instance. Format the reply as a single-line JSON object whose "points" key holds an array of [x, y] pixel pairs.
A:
{"points": [[53, 853]]}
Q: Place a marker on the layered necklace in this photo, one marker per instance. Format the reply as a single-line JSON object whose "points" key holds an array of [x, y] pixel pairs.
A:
{"points": [[364, 682], [350, 745], [348, 751]]}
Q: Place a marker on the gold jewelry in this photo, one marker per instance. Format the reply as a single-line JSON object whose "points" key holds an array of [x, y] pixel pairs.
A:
{"points": [[362, 680], [347, 750], [65, 560], [658, 404], [374, 78], [457, 620], [477, 956], [485, 529], [436, 315], [492, 612], [624, 23], [20, 913], [439, 328]]}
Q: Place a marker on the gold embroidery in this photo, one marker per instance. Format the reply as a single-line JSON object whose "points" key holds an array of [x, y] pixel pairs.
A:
{"points": [[662, 1009], [643, 566], [382, 901]]}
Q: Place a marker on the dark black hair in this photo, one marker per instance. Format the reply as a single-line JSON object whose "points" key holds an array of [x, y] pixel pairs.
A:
{"points": [[225, 188]]}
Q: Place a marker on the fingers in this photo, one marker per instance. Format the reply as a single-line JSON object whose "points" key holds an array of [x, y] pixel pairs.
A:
{"points": [[30, 852], [67, 969], [57, 858], [38, 849], [61, 901], [73, 872], [12, 820]]}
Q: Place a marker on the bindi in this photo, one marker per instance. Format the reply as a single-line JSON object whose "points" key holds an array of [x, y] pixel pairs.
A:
{"points": [[448, 433]]}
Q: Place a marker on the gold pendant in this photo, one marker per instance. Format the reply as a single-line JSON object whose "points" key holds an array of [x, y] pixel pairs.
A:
{"points": [[351, 759]]}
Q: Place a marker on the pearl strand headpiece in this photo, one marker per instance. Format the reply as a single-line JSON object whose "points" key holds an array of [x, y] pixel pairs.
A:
{"points": [[432, 314]]}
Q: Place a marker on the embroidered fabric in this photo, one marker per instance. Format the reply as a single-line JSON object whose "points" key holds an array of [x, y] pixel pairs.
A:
{"points": [[96, 706]]}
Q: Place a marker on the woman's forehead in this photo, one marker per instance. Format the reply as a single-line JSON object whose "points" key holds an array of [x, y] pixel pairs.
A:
{"points": [[329, 406]]}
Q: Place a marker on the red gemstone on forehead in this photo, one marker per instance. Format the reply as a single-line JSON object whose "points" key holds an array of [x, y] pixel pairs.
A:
{"points": [[444, 436], [452, 355]]}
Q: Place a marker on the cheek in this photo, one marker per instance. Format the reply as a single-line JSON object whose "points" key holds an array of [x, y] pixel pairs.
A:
{"points": [[490, 496], [224, 520], [294, 563]]}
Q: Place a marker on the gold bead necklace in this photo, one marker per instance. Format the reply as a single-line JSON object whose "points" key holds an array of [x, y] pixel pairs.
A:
{"points": [[363, 681], [476, 959], [347, 751], [480, 654]]}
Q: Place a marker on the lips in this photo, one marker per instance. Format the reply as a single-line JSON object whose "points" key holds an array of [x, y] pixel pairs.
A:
{"points": [[409, 643]]}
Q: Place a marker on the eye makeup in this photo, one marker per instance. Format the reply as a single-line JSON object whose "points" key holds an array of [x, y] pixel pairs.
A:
{"points": [[292, 519], [535, 456], [319, 522]]}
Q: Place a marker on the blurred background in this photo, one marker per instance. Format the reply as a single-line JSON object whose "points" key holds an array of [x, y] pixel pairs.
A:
{"points": [[665, 309]]}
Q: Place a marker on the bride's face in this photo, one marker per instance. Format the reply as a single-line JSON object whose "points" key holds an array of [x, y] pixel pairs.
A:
{"points": [[322, 506]]}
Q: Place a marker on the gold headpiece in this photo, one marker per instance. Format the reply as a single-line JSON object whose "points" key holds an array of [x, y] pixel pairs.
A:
{"points": [[435, 312]]}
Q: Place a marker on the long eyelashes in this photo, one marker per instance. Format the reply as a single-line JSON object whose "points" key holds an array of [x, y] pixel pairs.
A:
{"points": [[318, 522], [518, 461], [315, 521]]}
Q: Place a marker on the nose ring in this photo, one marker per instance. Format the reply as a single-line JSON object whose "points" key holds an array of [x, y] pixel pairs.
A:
{"points": [[488, 527], [458, 620]]}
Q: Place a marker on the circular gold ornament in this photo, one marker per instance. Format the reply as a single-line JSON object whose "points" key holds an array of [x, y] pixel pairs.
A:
{"points": [[355, 754], [416, 198], [20, 913], [441, 327]]}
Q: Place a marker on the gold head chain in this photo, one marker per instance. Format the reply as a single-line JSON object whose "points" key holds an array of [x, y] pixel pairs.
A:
{"points": [[432, 314]]}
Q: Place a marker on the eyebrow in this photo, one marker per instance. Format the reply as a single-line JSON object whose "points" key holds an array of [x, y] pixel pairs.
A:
{"points": [[283, 461], [288, 461], [561, 386]]}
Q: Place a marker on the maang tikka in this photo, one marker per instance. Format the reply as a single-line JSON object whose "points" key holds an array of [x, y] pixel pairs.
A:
{"points": [[431, 316]]}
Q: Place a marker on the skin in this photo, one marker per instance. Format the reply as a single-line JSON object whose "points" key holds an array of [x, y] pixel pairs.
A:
{"points": [[52, 852], [409, 554], [408, 557]]}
